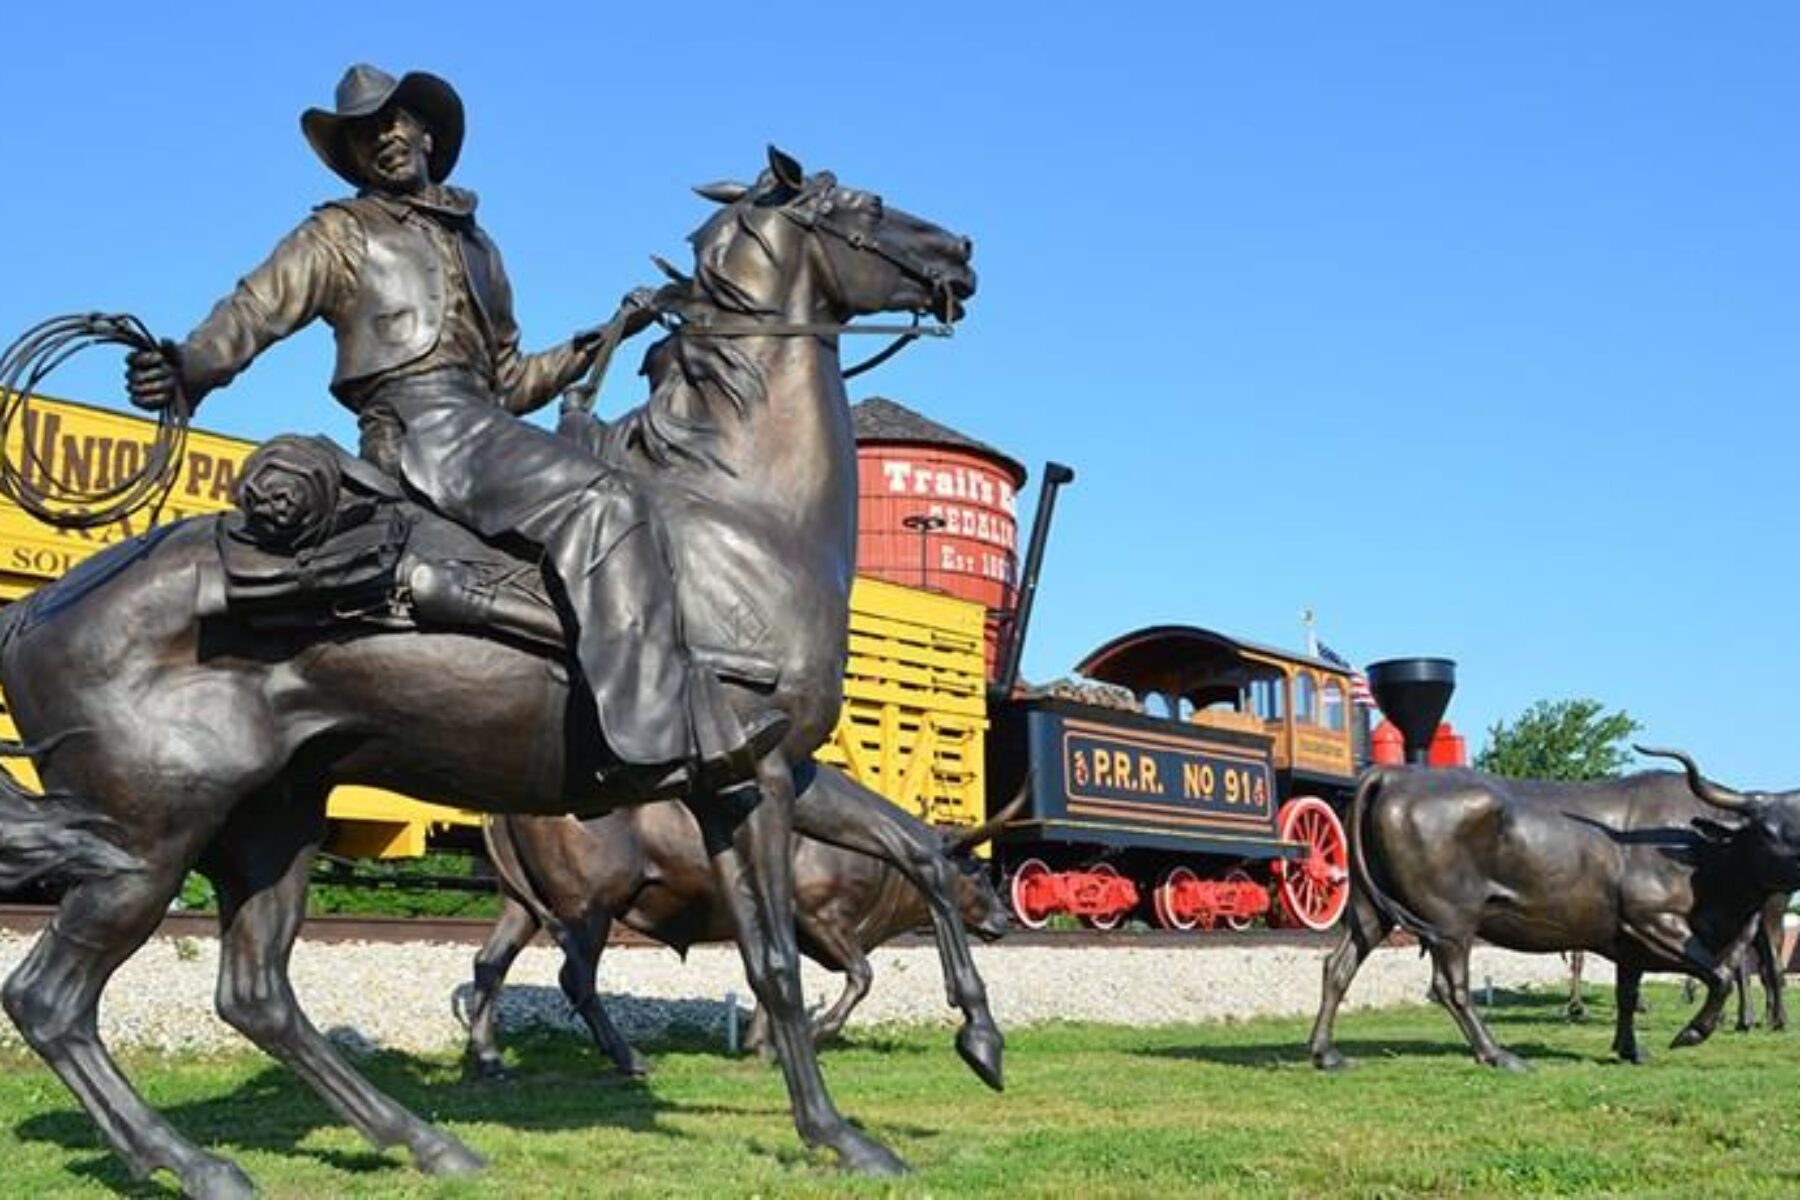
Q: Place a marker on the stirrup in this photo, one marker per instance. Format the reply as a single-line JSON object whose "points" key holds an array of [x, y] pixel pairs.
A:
{"points": [[762, 733], [656, 781]]}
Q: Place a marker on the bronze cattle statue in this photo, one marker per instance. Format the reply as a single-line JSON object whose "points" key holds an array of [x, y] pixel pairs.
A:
{"points": [[647, 868], [1654, 871]]}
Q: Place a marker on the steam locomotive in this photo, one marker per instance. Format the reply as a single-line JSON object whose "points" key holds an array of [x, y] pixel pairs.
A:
{"points": [[1186, 777]]}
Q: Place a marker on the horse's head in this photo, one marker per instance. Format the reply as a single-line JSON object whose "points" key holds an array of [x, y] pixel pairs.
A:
{"points": [[804, 247]]}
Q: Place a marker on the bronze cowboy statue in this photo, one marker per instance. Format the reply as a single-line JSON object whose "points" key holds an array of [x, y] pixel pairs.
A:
{"points": [[186, 711], [428, 359]]}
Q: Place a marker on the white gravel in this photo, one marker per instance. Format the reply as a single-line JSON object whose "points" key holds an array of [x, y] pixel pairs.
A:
{"points": [[400, 996]]}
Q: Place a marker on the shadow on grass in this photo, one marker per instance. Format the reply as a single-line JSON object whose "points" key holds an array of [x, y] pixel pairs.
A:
{"points": [[1512, 1015], [275, 1111], [1293, 1054]]}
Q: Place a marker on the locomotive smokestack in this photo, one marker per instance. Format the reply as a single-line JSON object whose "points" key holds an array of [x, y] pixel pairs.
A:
{"points": [[1055, 475], [1413, 693]]}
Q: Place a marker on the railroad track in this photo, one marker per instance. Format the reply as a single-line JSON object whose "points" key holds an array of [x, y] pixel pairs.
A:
{"points": [[29, 918]]}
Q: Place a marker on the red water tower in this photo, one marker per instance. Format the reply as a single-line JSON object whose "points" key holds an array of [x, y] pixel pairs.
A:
{"points": [[937, 510]]}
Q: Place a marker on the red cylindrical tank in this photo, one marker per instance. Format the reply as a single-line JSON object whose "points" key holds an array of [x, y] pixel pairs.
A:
{"points": [[1448, 747], [937, 510], [1386, 746]]}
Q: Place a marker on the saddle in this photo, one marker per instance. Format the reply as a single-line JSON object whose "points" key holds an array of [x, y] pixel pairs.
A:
{"points": [[320, 538]]}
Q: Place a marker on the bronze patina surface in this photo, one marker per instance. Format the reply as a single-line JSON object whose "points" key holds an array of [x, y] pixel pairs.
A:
{"points": [[702, 560]]}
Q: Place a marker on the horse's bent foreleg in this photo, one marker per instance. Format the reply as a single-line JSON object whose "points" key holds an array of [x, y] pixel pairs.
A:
{"points": [[834, 808], [1719, 983], [836, 947], [512, 932], [582, 945], [260, 870], [754, 865], [53, 998]]}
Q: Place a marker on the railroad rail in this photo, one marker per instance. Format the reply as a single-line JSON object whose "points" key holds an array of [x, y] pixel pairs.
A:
{"points": [[29, 918]]}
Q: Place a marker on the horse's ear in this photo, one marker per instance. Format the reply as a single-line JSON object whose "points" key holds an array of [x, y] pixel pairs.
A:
{"points": [[723, 192], [787, 170]]}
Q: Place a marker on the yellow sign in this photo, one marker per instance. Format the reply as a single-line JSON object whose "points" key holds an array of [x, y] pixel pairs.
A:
{"points": [[92, 448]]}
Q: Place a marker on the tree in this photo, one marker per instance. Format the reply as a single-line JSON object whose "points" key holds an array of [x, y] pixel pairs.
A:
{"points": [[1560, 739]]}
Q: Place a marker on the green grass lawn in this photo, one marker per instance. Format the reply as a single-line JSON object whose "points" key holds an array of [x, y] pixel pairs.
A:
{"points": [[1208, 1109]]}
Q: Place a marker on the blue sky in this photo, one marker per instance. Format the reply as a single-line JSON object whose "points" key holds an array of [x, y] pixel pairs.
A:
{"points": [[1474, 328]]}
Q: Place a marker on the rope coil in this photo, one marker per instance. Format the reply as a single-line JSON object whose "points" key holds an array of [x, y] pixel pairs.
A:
{"points": [[26, 477]]}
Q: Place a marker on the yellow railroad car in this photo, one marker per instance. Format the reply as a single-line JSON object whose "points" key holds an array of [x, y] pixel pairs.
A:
{"points": [[914, 715]]}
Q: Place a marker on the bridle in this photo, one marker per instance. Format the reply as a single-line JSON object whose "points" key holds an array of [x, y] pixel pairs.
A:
{"points": [[581, 395]]}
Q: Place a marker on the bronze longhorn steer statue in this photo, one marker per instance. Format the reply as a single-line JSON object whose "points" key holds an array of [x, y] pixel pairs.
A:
{"points": [[647, 868], [1654, 871]]}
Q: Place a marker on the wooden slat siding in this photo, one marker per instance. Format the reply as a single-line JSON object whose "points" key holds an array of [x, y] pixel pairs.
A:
{"points": [[915, 711]]}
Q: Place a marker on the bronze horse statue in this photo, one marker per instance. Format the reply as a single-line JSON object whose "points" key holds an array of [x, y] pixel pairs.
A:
{"points": [[168, 740]]}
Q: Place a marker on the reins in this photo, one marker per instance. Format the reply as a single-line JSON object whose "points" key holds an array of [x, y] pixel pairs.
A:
{"points": [[581, 395]]}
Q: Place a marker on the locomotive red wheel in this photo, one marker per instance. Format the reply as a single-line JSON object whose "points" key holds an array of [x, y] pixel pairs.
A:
{"points": [[1109, 923], [1162, 900], [1315, 886], [1239, 875], [1019, 894]]}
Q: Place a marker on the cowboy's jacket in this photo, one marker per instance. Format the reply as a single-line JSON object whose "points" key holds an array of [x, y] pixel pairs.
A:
{"points": [[408, 285]]}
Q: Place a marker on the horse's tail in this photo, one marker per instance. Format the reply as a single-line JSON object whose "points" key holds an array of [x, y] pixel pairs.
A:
{"points": [[51, 837], [1366, 793]]}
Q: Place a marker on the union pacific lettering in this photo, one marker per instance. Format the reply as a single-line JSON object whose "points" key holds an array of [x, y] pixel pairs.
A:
{"points": [[88, 449], [87, 460]]}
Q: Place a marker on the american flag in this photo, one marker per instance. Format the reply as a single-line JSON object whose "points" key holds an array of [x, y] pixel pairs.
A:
{"points": [[1359, 683]]}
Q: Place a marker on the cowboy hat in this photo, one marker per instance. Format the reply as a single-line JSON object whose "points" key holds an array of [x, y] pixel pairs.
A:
{"points": [[365, 91]]}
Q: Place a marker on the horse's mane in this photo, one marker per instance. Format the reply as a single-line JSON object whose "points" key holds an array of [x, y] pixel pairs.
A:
{"points": [[698, 382]]}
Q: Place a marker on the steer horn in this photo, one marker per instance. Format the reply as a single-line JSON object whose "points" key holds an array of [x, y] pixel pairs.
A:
{"points": [[1712, 793], [966, 840]]}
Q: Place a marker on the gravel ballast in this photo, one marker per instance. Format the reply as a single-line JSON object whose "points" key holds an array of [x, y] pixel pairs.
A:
{"points": [[403, 996]]}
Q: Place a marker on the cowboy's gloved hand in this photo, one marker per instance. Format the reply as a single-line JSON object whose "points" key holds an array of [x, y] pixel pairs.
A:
{"points": [[153, 377], [637, 309]]}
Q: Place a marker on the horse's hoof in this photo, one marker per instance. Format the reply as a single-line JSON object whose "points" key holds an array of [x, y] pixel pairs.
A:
{"points": [[635, 1066], [1689, 1036], [1331, 1059], [1637, 1056], [216, 1179], [863, 1155], [1575, 1012], [440, 1154], [1512, 1064], [981, 1048]]}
